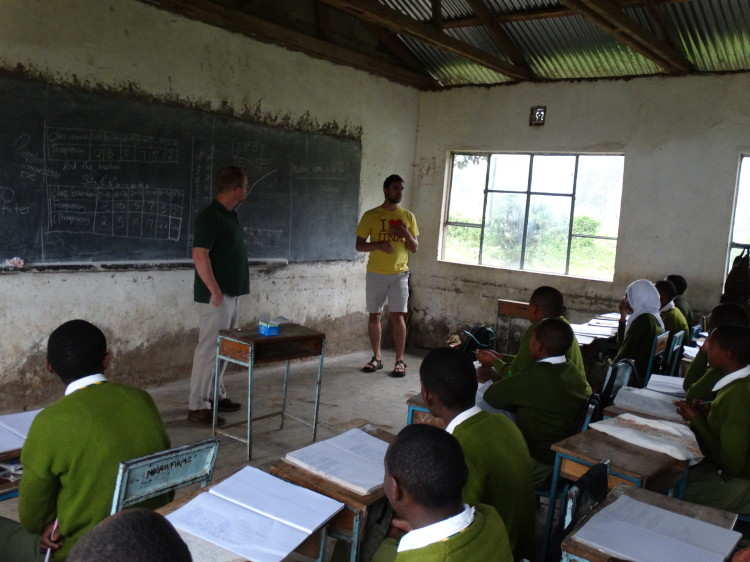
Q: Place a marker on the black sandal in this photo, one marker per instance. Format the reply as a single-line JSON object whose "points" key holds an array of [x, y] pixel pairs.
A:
{"points": [[399, 370], [373, 365]]}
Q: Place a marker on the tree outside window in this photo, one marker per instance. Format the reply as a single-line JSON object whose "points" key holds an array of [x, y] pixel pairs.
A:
{"points": [[551, 213]]}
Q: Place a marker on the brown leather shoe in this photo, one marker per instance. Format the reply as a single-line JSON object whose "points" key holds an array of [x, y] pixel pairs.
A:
{"points": [[205, 416], [226, 405]]}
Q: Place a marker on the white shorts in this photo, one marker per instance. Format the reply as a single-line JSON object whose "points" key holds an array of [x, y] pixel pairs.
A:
{"points": [[395, 288]]}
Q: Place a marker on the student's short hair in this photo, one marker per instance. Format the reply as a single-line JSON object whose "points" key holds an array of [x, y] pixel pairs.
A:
{"points": [[450, 374], [666, 289], [735, 339], [555, 334], [393, 178], [549, 300], [133, 535], [678, 281], [76, 349], [228, 178], [428, 463], [729, 313]]}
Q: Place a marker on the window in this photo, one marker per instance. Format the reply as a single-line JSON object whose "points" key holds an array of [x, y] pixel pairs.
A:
{"points": [[552, 213], [741, 223]]}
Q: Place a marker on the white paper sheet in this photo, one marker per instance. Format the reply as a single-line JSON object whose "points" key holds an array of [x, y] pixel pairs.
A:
{"points": [[649, 402], [667, 385], [14, 428], [637, 531], [299, 507]]}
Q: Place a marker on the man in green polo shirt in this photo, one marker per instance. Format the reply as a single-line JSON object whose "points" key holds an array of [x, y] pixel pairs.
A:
{"points": [[221, 277]]}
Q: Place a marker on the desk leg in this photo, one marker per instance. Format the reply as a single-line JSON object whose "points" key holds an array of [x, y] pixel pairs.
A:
{"points": [[283, 396], [551, 504], [354, 555], [318, 384], [250, 370], [216, 385]]}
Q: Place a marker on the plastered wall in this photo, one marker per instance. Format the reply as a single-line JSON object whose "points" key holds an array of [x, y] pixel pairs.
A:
{"points": [[131, 48], [682, 139]]}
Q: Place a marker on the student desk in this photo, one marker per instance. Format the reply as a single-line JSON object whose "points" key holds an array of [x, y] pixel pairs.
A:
{"points": [[574, 550], [9, 489], [249, 348], [417, 412], [348, 524], [511, 309]]}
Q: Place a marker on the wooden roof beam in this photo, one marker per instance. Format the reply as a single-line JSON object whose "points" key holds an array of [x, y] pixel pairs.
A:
{"points": [[609, 18], [246, 24], [397, 22]]}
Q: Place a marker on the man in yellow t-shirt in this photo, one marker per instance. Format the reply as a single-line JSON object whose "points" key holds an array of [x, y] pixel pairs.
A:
{"points": [[392, 233]]}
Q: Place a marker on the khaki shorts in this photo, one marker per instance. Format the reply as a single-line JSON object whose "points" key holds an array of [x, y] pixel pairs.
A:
{"points": [[394, 288]]}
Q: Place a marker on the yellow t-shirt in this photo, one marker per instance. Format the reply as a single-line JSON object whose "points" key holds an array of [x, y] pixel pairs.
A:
{"points": [[374, 225]]}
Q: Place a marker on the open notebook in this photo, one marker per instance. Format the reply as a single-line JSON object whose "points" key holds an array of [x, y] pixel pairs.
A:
{"points": [[255, 515], [14, 428], [353, 460]]}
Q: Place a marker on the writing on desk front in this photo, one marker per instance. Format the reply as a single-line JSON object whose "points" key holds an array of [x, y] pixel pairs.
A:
{"points": [[87, 194]]}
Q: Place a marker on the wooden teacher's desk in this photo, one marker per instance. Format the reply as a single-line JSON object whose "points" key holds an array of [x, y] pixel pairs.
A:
{"points": [[249, 348], [575, 550], [348, 524]]}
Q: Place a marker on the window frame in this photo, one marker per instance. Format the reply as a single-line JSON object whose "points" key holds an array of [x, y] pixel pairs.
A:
{"points": [[737, 246], [528, 193]]}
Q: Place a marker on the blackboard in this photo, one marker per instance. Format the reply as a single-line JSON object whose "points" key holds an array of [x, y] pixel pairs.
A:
{"points": [[93, 178]]}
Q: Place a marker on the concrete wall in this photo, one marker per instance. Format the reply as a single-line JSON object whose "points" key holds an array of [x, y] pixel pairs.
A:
{"points": [[681, 137], [130, 48]]}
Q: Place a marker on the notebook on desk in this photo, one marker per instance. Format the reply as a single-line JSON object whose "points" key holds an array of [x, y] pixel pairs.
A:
{"points": [[353, 460], [14, 428]]}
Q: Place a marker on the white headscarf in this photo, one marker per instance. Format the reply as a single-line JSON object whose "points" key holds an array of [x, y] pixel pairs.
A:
{"points": [[643, 299]]}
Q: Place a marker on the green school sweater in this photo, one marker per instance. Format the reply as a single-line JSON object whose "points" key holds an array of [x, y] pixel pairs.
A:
{"points": [[700, 379], [484, 540], [681, 302], [725, 434], [523, 359], [71, 457], [636, 344], [674, 322], [546, 400], [500, 475]]}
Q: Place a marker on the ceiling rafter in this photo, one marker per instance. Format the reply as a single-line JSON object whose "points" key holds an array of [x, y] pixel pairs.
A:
{"points": [[545, 13], [240, 22], [498, 34], [609, 18], [395, 21]]}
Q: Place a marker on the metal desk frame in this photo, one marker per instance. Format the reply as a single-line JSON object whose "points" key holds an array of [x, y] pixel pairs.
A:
{"points": [[250, 343]]}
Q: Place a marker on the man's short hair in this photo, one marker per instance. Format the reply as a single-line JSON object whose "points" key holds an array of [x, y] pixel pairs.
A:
{"points": [[133, 535], [555, 335], [666, 289], [450, 375], [679, 283], [428, 463], [735, 339], [76, 349], [393, 178], [549, 301], [729, 313], [228, 178]]}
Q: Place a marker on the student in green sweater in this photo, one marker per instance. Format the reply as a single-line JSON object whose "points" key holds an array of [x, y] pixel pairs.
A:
{"points": [[700, 378], [73, 449], [494, 448], [672, 317], [545, 302], [640, 323], [722, 480], [425, 474], [680, 285], [546, 396]]}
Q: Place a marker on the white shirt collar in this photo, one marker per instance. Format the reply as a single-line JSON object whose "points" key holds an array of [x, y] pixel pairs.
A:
{"points": [[554, 360], [462, 417], [668, 306], [731, 377], [85, 381], [425, 536]]}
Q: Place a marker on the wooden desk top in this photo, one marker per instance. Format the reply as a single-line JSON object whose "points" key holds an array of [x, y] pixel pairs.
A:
{"points": [[657, 470], [704, 513], [293, 342], [516, 309]]}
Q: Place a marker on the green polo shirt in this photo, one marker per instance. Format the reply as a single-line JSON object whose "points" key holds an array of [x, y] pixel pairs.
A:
{"points": [[218, 230]]}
